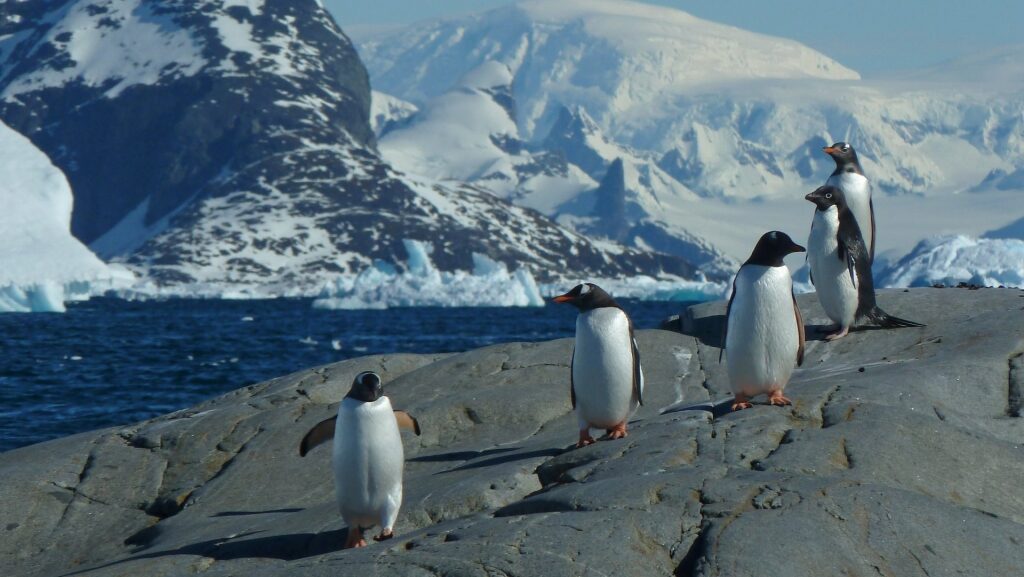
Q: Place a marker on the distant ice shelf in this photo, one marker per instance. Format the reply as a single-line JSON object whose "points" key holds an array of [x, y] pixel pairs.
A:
{"points": [[490, 283], [950, 260]]}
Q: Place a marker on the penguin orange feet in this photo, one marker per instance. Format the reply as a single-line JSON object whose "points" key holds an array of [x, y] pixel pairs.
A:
{"points": [[354, 538], [585, 439], [384, 535], [741, 402], [618, 431], [838, 334], [776, 398]]}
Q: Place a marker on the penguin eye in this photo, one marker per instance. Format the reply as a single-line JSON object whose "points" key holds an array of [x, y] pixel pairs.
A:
{"points": [[828, 195]]}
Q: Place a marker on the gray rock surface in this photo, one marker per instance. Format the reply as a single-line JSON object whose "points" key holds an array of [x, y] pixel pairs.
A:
{"points": [[901, 456]]}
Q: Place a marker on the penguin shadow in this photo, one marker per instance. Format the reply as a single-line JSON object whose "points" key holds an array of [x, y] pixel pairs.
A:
{"points": [[242, 513], [816, 333], [289, 547], [505, 455]]}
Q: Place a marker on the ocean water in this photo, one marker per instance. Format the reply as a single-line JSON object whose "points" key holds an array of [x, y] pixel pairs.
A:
{"points": [[109, 362]]}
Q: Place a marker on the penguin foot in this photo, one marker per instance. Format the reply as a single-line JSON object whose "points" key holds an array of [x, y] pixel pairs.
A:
{"points": [[842, 332], [384, 535], [618, 431], [776, 398], [585, 439], [741, 402], [354, 538]]}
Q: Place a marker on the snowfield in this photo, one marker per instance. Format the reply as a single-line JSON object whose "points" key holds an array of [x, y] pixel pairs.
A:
{"points": [[719, 130]]}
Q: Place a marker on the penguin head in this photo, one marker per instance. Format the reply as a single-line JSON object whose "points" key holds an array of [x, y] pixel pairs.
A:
{"points": [[845, 157], [587, 296], [366, 387], [827, 196], [772, 248]]}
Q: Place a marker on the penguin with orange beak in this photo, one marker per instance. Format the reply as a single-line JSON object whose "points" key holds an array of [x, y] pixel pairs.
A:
{"points": [[606, 380]]}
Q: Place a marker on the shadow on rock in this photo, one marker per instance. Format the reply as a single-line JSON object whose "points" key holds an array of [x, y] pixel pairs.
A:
{"points": [[460, 455], [708, 330], [284, 547], [551, 452], [240, 513]]}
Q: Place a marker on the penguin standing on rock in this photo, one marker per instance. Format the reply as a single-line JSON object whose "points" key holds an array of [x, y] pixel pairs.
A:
{"points": [[849, 178], [764, 337], [368, 457], [606, 381], [840, 264]]}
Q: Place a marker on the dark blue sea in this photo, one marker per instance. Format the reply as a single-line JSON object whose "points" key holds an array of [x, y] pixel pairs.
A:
{"points": [[110, 362]]}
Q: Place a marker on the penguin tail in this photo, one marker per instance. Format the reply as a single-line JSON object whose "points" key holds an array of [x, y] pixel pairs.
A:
{"points": [[884, 319]]}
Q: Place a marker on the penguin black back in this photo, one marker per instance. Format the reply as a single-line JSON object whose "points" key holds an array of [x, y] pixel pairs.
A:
{"points": [[845, 157]]}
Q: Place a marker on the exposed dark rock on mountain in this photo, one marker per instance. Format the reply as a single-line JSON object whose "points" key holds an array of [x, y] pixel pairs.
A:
{"points": [[229, 142]]}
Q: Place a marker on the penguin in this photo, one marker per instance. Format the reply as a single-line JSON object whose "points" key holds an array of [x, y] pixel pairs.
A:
{"points": [[764, 333], [368, 457], [840, 264], [606, 381], [849, 177]]}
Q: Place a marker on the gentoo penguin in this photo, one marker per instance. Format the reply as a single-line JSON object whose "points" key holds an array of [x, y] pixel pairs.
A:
{"points": [[368, 457], [606, 382], [764, 335], [841, 265], [849, 178]]}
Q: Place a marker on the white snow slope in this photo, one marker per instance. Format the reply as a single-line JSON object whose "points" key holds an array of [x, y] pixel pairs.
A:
{"points": [[41, 264], [735, 117]]}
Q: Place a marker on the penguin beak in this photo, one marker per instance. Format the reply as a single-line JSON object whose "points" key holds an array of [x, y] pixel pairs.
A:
{"points": [[566, 298], [829, 150], [797, 248]]}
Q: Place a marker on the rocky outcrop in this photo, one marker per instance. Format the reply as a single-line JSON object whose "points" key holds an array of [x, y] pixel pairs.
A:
{"points": [[901, 456]]}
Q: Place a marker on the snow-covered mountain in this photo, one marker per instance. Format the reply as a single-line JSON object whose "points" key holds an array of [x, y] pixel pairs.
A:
{"points": [[42, 264], [708, 121], [229, 143]]}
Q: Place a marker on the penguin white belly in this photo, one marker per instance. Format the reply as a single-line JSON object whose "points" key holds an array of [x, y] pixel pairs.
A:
{"points": [[857, 190], [602, 369], [836, 292], [763, 337], [368, 462]]}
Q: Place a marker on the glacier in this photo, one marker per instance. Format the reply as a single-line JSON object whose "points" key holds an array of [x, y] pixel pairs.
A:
{"points": [[955, 259], [490, 283], [44, 266]]}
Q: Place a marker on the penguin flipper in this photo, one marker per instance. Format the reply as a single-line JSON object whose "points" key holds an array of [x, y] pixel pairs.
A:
{"points": [[407, 422], [319, 434], [871, 210], [725, 329], [572, 385], [638, 373], [799, 331]]}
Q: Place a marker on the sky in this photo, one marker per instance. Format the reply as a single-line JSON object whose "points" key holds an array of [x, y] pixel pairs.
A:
{"points": [[874, 37]]}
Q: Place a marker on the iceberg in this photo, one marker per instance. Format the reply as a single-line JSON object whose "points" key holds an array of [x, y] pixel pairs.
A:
{"points": [[648, 288], [950, 260], [41, 265], [383, 286]]}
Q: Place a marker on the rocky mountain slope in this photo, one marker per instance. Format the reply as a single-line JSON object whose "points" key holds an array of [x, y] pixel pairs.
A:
{"points": [[900, 456], [229, 144]]}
